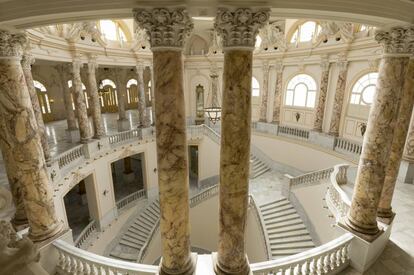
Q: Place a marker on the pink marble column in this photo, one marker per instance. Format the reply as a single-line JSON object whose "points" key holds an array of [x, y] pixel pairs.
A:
{"points": [[20, 141], [397, 147], [168, 28], [152, 95], [99, 130], [339, 97], [121, 93], [142, 105], [323, 90], [277, 102], [378, 138], [238, 28], [27, 61], [80, 105], [265, 92], [62, 70]]}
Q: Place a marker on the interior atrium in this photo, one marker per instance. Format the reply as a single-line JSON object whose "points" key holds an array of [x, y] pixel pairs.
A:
{"points": [[206, 137]]}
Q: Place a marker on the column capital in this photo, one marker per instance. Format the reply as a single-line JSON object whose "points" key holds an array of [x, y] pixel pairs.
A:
{"points": [[27, 61], [76, 65], [396, 40], [266, 66], [166, 28], [325, 63], [238, 28], [342, 62], [12, 44], [279, 65]]}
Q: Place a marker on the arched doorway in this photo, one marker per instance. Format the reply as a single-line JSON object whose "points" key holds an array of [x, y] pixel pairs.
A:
{"points": [[108, 96], [44, 101], [132, 94]]}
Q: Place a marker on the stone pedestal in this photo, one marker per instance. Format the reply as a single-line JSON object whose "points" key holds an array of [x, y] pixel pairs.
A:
{"points": [[277, 102], [73, 135], [379, 135], [235, 26], [168, 28], [20, 142]]}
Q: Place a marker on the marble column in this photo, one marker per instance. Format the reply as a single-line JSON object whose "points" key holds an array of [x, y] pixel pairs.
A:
{"points": [[265, 91], [142, 105], [95, 105], [20, 142], [378, 137], [152, 95], [168, 28], [67, 99], [238, 27], [277, 102], [80, 105], [121, 97], [27, 61], [397, 147], [323, 91], [339, 97]]}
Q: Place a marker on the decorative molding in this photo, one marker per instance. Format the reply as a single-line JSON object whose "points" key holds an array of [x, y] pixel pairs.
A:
{"points": [[216, 45], [166, 28], [397, 40], [325, 63], [27, 61], [373, 64], [240, 27], [273, 36], [12, 44]]}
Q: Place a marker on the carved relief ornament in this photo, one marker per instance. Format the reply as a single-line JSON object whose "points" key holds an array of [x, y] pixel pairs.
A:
{"points": [[12, 44], [397, 40]]}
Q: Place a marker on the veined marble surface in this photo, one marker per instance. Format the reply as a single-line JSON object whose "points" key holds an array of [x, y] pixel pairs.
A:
{"points": [[338, 102], [278, 97], [320, 109]]}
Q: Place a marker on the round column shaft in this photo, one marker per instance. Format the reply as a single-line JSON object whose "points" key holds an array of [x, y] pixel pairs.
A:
{"points": [[323, 91], [95, 103], [67, 98], [339, 97], [277, 102], [263, 105], [142, 105]]}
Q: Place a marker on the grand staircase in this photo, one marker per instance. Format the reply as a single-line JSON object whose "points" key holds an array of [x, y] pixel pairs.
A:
{"points": [[287, 233], [258, 167], [137, 234]]}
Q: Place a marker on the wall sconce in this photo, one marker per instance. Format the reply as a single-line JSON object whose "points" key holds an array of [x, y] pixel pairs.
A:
{"points": [[53, 175], [105, 192], [99, 145], [155, 170], [51, 100]]}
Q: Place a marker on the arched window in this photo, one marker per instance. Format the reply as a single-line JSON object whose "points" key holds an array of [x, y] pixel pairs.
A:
{"points": [[363, 91], [109, 98], [149, 90], [258, 41], [255, 87], [305, 32], [132, 91], [301, 91], [43, 97], [111, 30], [84, 93]]}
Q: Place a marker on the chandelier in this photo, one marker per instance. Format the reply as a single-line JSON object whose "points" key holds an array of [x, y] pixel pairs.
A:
{"points": [[214, 111]]}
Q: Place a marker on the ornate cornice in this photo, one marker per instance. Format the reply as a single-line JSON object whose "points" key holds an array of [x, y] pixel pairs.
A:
{"points": [[240, 27], [166, 28], [397, 40], [12, 44]]}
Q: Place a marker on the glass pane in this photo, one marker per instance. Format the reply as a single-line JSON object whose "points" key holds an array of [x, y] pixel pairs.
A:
{"points": [[306, 31], [47, 104], [128, 97], [86, 100], [258, 41], [368, 94], [300, 95], [294, 37], [108, 29], [311, 99], [289, 98]]}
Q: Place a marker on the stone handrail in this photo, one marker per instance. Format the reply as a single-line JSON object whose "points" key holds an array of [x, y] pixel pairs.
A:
{"points": [[213, 134], [144, 249], [73, 260], [349, 146], [123, 203], [204, 195], [336, 198], [125, 136], [69, 156], [260, 220], [310, 177], [295, 132], [84, 235], [329, 258]]}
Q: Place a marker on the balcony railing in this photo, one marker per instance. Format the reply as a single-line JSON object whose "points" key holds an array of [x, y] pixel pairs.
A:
{"points": [[84, 235], [128, 200], [293, 132], [310, 177], [344, 145], [125, 136], [70, 156], [336, 198]]}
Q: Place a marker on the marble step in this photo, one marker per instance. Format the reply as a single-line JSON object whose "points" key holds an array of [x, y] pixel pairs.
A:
{"points": [[144, 223], [288, 233], [284, 224], [304, 244], [138, 232], [154, 213], [287, 252], [289, 217], [136, 236], [133, 240], [278, 209], [279, 214], [124, 256], [290, 240], [130, 244], [147, 218], [140, 228], [271, 205]]}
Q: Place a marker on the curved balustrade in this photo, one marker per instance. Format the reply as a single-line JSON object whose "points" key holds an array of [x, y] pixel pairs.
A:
{"points": [[294, 132], [123, 203], [69, 156], [125, 136], [73, 260], [204, 195], [337, 200], [259, 219], [84, 235], [329, 258], [311, 177], [349, 146]]}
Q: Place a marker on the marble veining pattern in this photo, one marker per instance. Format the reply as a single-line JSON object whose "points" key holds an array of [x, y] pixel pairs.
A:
{"points": [[397, 147], [121, 93], [265, 88], [320, 108], [80, 105], [338, 102], [95, 103], [144, 119], [376, 146], [278, 97], [67, 99]]}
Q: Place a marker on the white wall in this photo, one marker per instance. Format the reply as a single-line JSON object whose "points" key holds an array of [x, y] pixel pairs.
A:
{"points": [[208, 158]]}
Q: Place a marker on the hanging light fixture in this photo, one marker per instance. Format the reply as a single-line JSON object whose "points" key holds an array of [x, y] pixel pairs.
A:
{"points": [[214, 111]]}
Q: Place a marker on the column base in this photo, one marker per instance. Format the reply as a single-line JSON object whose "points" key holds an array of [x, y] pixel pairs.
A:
{"points": [[385, 215], [47, 234], [85, 140], [19, 224], [189, 269], [367, 234], [73, 135], [123, 125], [219, 270]]}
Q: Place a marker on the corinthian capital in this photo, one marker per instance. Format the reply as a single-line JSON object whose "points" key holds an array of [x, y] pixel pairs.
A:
{"points": [[397, 40], [166, 28], [12, 44], [239, 28], [27, 61]]}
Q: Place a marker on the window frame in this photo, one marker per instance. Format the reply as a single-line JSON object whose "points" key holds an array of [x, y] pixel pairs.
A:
{"points": [[291, 88], [360, 86]]}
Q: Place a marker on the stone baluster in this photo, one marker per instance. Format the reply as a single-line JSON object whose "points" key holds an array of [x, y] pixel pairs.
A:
{"points": [[168, 28], [323, 90], [378, 137], [67, 98], [80, 105], [238, 28], [265, 92], [20, 141], [339, 96], [99, 131], [400, 135], [27, 61], [277, 102], [142, 105], [121, 89]]}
